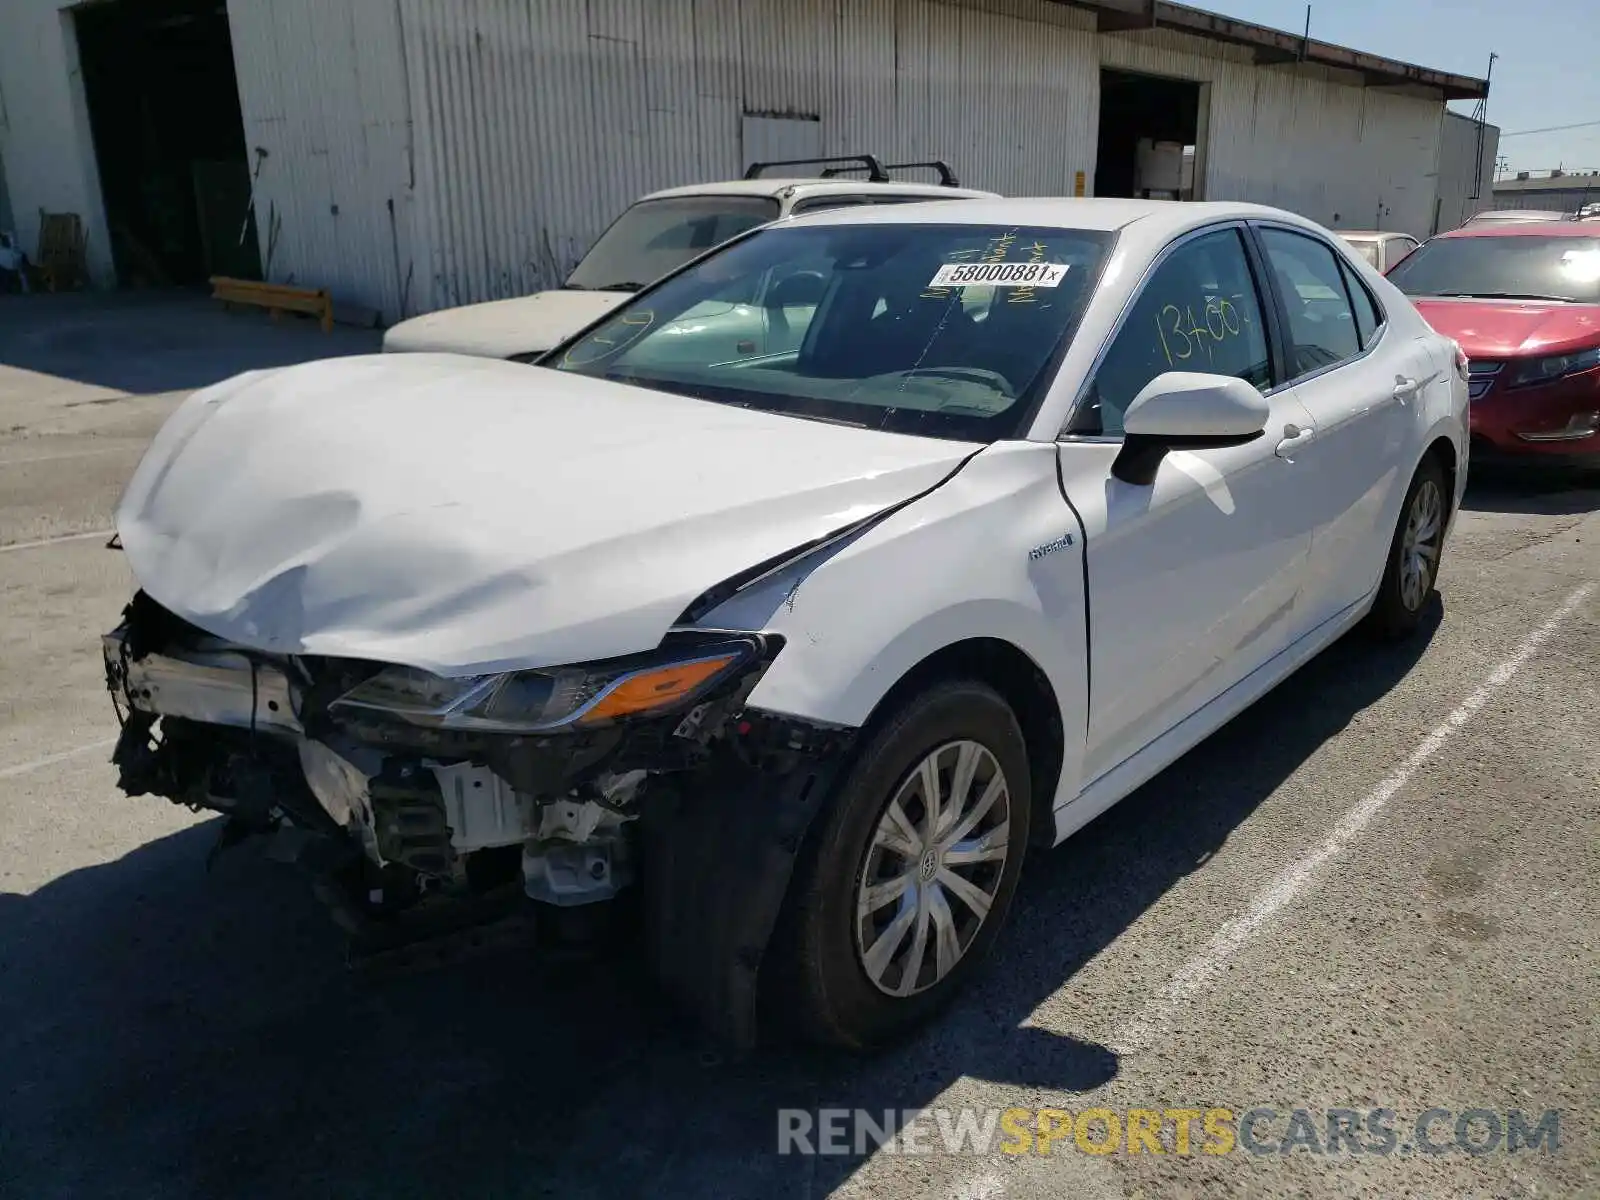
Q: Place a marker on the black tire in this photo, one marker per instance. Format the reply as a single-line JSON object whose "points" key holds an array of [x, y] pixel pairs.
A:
{"points": [[1398, 610], [817, 975]]}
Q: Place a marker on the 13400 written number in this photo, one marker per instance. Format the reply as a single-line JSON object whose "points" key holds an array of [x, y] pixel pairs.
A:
{"points": [[1182, 336]]}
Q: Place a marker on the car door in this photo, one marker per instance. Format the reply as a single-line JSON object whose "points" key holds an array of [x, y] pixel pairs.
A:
{"points": [[1193, 579], [1358, 378]]}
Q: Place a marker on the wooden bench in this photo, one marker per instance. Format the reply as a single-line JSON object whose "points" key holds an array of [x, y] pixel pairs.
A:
{"points": [[276, 298]]}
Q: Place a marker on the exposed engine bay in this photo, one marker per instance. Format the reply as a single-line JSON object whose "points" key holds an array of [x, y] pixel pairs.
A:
{"points": [[422, 805]]}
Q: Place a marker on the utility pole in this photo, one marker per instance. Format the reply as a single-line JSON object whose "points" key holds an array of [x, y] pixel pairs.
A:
{"points": [[1480, 114]]}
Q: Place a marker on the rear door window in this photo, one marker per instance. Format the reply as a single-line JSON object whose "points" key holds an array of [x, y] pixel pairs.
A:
{"points": [[1367, 314], [1322, 329]]}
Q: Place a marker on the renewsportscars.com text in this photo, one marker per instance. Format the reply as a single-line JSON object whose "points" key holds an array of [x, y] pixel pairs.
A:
{"points": [[1182, 1131]]}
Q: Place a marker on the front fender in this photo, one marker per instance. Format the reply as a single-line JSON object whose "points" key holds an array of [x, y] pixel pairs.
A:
{"points": [[993, 553]]}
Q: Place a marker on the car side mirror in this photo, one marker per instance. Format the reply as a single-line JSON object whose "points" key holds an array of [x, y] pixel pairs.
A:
{"points": [[801, 290], [1186, 410]]}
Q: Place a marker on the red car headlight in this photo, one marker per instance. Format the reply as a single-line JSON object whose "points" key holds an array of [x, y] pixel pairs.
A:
{"points": [[1542, 370]]}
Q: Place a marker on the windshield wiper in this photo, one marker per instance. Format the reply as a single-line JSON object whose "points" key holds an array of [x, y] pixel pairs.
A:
{"points": [[805, 416], [617, 287], [1508, 296]]}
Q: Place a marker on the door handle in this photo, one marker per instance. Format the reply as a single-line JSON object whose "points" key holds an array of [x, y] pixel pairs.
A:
{"points": [[1405, 388], [1294, 436]]}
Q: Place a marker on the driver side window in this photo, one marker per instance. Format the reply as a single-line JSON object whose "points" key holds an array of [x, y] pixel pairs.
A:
{"points": [[1199, 311]]}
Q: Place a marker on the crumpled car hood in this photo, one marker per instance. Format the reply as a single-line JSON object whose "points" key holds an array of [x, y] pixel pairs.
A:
{"points": [[502, 328], [464, 515]]}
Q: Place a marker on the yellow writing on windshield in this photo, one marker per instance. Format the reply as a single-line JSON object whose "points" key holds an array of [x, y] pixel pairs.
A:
{"points": [[613, 336], [1025, 295], [1183, 337], [996, 252]]}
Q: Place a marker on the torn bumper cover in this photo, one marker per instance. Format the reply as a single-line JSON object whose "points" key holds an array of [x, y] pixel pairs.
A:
{"points": [[424, 805]]}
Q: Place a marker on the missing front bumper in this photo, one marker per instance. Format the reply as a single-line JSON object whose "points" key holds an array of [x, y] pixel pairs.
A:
{"points": [[233, 737], [417, 841]]}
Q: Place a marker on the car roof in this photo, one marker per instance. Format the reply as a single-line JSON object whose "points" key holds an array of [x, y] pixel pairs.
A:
{"points": [[1517, 214], [1092, 213], [782, 188], [1372, 235], [1526, 229]]}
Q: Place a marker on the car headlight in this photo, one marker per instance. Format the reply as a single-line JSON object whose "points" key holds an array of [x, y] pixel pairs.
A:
{"points": [[551, 699], [1542, 370]]}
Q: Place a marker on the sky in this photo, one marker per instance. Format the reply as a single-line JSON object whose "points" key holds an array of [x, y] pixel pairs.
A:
{"points": [[1548, 72]]}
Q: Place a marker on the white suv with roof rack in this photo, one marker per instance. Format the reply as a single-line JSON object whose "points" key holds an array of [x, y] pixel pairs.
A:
{"points": [[661, 232]]}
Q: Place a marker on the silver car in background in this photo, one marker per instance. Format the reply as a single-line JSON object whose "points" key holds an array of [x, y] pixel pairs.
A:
{"points": [[1382, 250]]}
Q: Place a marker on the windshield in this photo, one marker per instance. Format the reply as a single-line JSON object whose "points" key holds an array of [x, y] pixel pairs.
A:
{"points": [[943, 330], [1367, 248], [1511, 267], [654, 237]]}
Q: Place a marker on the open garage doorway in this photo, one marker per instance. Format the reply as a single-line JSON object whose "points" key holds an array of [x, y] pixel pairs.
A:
{"points": [[1150, 140], [163, 105]]}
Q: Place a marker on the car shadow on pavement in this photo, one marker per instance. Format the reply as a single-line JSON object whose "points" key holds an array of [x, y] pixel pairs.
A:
{"points": [[168, 1032], [1551, 492], [160, 341]]}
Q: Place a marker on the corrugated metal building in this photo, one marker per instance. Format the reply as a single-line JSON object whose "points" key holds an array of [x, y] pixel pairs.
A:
{"points": [[1566, 192], [415, 154], [1467, 153]]}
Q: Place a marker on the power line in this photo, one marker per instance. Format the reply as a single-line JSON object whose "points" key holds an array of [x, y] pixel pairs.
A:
{"points": [[1549, 129]]}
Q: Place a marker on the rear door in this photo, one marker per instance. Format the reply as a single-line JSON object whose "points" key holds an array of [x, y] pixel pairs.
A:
{"points": [[1359, 379]]}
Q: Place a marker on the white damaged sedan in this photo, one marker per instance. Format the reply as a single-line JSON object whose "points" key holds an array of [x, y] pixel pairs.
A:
{"points": [[801, 650]]}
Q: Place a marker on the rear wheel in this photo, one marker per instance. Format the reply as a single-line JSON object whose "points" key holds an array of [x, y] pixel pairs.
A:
{"points": [[910, 878], [1414, 553]]}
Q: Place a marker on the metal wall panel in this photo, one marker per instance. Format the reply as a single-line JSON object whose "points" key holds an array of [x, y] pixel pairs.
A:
{"points": [[1462, 172], [322, 89], [1572, 193], [539, 120], [44, 128], [1012, 96], [509, 133], [780, 139], [1306, 138]]}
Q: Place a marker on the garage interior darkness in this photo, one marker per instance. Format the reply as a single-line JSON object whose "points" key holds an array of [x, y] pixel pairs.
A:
{"points": [[1135, 107], [163, 106]]}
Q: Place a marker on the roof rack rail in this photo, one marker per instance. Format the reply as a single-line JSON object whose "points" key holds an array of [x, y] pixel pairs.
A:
{"points": [[866, 162], [947, 177]]}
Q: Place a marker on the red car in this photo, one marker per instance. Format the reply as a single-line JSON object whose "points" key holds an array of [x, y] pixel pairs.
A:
{"points": [[1523, 302]]}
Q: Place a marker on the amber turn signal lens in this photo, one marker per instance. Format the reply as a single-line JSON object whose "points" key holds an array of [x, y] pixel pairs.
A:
{"points": [[658, 688]]}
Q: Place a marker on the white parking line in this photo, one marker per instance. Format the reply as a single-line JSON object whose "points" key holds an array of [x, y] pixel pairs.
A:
{"points": [[1294, 879], [65, 454], [51, 759], [52, 541]]}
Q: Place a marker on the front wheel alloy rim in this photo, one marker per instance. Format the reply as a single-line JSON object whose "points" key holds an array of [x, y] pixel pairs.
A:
{"points": [[933, 868], [1419, 548]]}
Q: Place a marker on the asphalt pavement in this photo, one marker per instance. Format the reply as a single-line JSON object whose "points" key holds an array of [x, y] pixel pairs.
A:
{"points": [[1375, 890]]}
